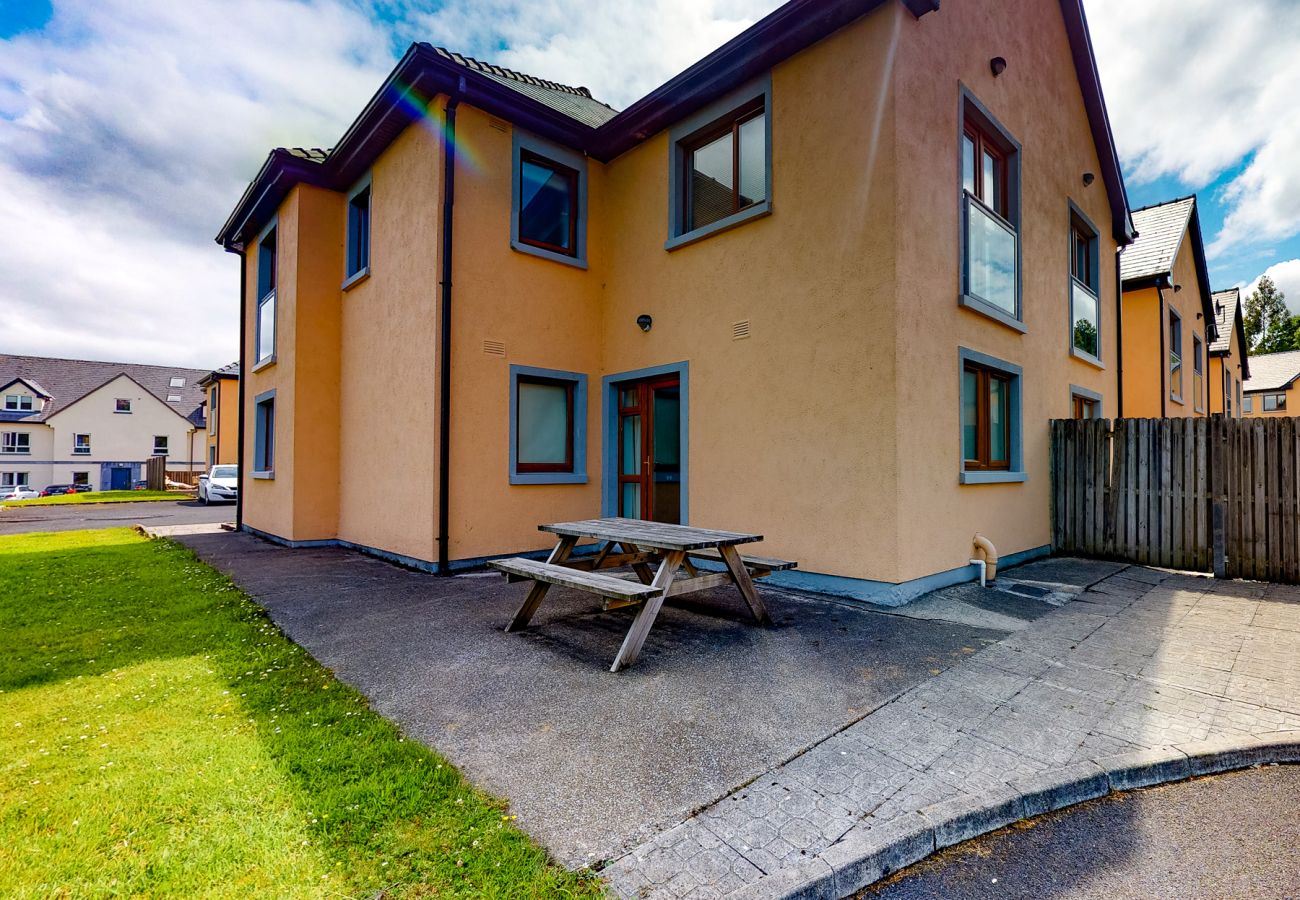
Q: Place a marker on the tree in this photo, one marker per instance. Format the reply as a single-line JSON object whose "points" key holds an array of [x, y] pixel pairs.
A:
{"points": [[1269, 325]]}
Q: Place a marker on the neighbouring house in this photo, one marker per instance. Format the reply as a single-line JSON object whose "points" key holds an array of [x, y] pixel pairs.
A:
{"points": [[811, 287], [1168, 313], [73, 421], [1229, 363], [1271, 389], [221, 390]]}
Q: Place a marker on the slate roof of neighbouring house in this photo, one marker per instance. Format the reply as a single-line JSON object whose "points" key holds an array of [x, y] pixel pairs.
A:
{"points": [[1225, 313], [575, 102], [229, 370], [1160, 233], [1272, 371], [66, 381]]}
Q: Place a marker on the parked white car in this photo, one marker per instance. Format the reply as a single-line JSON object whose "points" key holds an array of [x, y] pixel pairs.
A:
{"points": [[219, 485], [18, 492]]}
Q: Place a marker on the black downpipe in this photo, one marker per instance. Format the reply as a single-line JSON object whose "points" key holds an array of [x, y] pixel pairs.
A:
{"points": [[243, 376], [1119, 337], [444, 336]]}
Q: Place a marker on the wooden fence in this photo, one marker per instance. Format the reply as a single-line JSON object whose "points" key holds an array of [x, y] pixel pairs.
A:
{"points": [[1215, 494]]}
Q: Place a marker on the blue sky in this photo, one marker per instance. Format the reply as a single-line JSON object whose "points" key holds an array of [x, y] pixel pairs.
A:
{"points": [[128, 128]]}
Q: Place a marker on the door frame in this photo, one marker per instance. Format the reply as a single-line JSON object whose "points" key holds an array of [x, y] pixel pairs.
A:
{"points": [[609, 428]]}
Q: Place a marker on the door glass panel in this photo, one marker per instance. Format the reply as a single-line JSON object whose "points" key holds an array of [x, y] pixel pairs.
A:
{"points": [[711, 182], [753, 160], [543, 429], [631, 464], [969, 414], [665, 505], [997, 420], [630, 507]]}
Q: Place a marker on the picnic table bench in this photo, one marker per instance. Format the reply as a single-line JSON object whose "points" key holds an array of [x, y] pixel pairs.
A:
{"points": [[655, 552]]}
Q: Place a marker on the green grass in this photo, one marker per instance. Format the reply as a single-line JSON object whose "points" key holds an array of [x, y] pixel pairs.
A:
{"points": [[103, 497], [160, 737]]}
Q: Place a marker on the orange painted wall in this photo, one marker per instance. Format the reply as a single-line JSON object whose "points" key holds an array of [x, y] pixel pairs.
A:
{"points": [[1232, 363], [223, 437]]}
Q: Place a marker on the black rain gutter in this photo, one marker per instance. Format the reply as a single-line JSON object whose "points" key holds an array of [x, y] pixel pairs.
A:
{"points": [[444, 330], [239, 445]]}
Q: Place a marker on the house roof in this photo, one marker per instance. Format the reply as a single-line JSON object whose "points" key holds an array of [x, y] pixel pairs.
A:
{"points": [[1229, 317], [1273, 371], [28, 383], [1160, 233], [572, 117], [65, 381], [229, 370]]}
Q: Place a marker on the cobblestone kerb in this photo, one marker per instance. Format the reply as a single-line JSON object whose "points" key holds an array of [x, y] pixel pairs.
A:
{"points": [[1146, 678]]}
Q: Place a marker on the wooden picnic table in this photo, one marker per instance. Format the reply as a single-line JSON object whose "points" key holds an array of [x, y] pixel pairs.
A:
{"points": [[655, 552]]}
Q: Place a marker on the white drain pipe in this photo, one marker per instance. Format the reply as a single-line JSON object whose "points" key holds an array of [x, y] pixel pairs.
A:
{"points": [[986, 554]]}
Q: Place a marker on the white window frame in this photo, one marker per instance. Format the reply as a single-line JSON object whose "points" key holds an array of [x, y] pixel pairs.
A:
{"points": [[79, 448], [14, 403], [16, 443], [117, 406], [165, 442], [15, 479]]}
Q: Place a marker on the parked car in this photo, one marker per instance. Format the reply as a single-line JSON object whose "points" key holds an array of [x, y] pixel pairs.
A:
{"points": [[220, 484], [56, 489], [140, 485], [19, 492]]}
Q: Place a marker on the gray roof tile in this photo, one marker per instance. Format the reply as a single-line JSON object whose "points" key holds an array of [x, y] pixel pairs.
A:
{"points": [[1160, 233], [575, 102], [68, 380], [1225, 312], [1271, 371]]}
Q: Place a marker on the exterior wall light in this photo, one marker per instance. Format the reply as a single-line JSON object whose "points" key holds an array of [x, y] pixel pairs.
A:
{"points": [[644, 322], [1088, 178], [997, 65]]}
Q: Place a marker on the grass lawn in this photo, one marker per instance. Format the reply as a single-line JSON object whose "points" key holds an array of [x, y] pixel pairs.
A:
{"points": [[159, 737], [103, 497]]}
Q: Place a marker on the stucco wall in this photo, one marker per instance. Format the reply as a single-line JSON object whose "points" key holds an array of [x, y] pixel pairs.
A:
{"points": [[1232, 362], [1037, 99], [222, 432]]}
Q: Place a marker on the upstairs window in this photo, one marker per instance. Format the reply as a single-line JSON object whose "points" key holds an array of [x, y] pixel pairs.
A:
{"points": [[990, 217], [19, 442], [1198, 349], [1227, 390], [1175, 356], [358, 249], [727, 166], [121, 405], [1085, 308], [81, 444], [548, 204], [160, 445], [212, 409], [266, 278], [176, 382], [19, 402]]}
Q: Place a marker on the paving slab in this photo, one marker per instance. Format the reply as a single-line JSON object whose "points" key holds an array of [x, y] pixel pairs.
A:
{"points": [[1146, 677], [596, 764]]}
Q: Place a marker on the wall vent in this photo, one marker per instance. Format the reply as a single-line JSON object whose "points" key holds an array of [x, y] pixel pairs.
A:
{"points": [[740, 330], [494, 348], [498, 124]]}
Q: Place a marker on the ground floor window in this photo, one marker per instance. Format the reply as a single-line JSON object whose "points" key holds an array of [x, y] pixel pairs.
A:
{"points": [[1273, 402], [13, 479], [212, 456], [160, 445], [1248, 405], [264, 435], [1085, 407], [548, 415], [990, 419], [81, 478]]}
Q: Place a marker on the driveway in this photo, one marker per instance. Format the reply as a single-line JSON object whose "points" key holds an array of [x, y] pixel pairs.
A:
{"points": [[74, 516], [1231, 835], [592, 762]]}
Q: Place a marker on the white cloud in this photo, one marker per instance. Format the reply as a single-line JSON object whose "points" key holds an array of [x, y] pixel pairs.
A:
{"points": [[1286, 275], [128, 129], [1195, 89]]}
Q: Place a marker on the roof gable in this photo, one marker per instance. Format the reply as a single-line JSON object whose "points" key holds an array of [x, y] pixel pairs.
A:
{"points": [[570, 116], [32, 386]]}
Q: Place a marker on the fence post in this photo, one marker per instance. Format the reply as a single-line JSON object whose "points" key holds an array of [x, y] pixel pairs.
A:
{"points": [[1218, 494]]}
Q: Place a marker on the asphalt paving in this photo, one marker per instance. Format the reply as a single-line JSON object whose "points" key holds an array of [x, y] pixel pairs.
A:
{"points": [[1234, 835], [73, 517]]}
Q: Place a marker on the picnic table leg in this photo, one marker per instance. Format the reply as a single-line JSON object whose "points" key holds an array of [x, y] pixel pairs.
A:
{"points": [[740, 575], [645, 617], [539, 589], [641, 569]]}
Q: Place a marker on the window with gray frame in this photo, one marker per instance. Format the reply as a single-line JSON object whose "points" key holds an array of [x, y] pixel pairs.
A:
{"points": [[264, 436], [266, 279], [990, 198], [1085, 306], [548, 204], [1198, 371], [16, 442], [991, 429], [358, 249], [1175, 356]]}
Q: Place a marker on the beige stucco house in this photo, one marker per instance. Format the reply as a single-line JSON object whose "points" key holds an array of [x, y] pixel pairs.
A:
{"points": [[823, 285]]}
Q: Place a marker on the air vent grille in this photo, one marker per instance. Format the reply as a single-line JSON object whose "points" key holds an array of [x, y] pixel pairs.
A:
{"points": [[494, 348], [740, 330]]}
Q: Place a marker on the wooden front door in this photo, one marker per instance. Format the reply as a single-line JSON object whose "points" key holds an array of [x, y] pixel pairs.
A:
{"points": [[650, 450]]}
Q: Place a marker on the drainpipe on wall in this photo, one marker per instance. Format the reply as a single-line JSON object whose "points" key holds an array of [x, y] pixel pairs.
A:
{"points": [[243, 375], [444, 332], [1119, 337]]}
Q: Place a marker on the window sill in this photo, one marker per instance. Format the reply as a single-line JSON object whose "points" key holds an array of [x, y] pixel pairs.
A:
{"points": [[121, 412], [1174, 398], [548, 477], [993, 477], [975, 304], [266, 363], [265, 476], [355, 278], [577, 262], [1086, 357], [757, 211]]}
